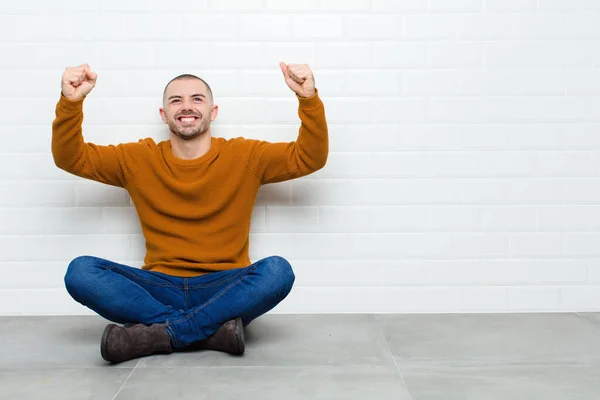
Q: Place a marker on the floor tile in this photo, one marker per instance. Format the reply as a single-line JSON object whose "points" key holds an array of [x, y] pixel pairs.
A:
{"points": [[297, 340], [504, 382], [594, 317], [265, 383], [491, 338], [62, 383], [54, 341]]}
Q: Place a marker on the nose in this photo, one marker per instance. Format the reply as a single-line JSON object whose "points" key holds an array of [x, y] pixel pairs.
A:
{"points": [[187, 105]]}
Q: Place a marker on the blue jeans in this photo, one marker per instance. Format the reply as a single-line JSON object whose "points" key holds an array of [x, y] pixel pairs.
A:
{"points": [[191, 308]]}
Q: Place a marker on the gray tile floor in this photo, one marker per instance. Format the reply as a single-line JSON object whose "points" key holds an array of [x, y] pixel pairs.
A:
{"points": [[370, 357]]}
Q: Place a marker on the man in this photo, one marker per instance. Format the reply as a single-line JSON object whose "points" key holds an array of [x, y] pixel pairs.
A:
{"points": [[194, 195]]}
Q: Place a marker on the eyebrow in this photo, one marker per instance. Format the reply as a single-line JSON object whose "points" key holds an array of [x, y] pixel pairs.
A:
{"points": [[194, 95]]}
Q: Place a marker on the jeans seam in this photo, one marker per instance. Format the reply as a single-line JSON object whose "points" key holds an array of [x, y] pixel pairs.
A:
{"points": [[219, 282], [170, 324], [141, 279], [172, 335], [186, 294], [212, 300]]}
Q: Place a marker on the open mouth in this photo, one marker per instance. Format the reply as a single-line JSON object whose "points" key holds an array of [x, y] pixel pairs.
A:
{"points": [[187, 119]]}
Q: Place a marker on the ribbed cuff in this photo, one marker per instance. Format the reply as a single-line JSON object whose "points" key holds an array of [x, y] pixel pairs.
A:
{"points": [[69, 106], [312, 102]]}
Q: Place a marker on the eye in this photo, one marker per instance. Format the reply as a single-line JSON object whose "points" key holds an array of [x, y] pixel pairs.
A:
{"points": [[198, 98], [175, 101]]}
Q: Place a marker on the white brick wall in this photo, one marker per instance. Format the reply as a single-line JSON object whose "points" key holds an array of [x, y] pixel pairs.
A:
{"points": [[464, 173]]}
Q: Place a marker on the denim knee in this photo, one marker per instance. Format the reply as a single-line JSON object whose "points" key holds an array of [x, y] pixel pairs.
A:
{"points": [[280, 272], [78, 273]]}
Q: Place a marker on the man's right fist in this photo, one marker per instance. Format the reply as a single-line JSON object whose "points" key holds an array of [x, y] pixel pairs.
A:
{"points": [[77, 82]]}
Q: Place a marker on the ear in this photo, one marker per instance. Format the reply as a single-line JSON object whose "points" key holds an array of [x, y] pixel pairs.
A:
{"points": [[214, 111], [163, 115]]}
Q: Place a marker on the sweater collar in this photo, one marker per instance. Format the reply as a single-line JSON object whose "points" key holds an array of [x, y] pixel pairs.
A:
{"points": [[215, 145]]}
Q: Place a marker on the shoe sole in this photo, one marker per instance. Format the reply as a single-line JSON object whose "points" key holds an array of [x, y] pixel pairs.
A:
{"points": [[105, 334], [239, 335]]}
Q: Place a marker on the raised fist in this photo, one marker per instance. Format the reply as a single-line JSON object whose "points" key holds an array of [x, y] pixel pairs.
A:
{"points": [[299, 78], [77, 82]]}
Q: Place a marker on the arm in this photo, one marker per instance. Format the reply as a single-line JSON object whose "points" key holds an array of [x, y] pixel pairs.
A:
{"points": [[107, 164], [276, 162]]}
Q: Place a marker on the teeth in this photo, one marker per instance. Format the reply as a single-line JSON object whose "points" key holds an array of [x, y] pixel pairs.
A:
{"points": [[187, 119]]}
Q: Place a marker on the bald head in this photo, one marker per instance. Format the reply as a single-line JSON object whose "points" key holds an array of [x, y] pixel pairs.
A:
{"points": [[188, 77]]}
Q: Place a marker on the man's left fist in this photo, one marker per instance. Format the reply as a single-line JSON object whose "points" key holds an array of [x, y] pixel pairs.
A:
{"points": [[299, 78]]}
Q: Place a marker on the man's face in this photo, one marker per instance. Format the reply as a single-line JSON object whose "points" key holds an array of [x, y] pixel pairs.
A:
{"points": [[188, 108]]}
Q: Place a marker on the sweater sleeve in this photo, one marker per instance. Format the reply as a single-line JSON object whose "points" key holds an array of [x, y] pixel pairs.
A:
{"points": [[277, 162], [112, 165]]}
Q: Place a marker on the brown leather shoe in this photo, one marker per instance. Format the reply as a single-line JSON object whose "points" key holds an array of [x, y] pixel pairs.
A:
{"points": [[229, 338], [125, 343]]}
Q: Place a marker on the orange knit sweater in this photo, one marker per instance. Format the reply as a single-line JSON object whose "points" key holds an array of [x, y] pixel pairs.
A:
{"points": [[195, 214]]}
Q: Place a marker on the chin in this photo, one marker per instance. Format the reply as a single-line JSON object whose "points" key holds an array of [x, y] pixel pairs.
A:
{"points": [[189, 136]]}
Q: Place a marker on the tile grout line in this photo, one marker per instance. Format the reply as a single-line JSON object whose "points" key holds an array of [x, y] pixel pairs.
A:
{"points": [[123, 385], [392, 355], [590, 320]]}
